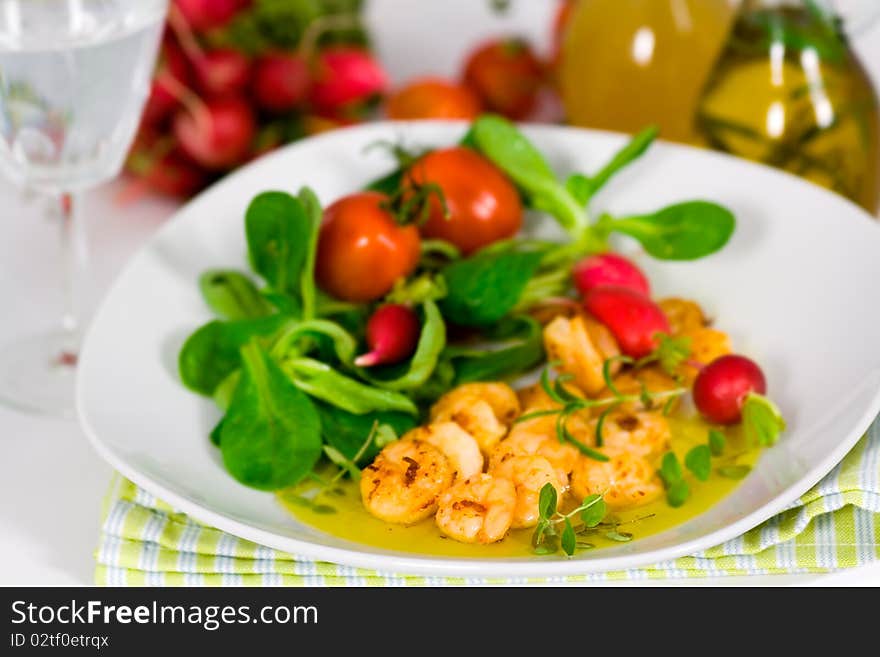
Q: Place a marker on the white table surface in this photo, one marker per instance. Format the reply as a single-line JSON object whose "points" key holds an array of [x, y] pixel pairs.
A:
{"points": [[51, 481]]}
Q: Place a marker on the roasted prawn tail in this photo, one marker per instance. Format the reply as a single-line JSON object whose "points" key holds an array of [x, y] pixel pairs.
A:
{"points": [[484, 410], [538, 439], [477, 510], [457, 445], [625, 480], [404, 481], [640, 433], [581, 346], [529, 474]]}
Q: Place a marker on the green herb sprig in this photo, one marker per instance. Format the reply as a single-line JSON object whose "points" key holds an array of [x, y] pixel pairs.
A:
{"points": [[379, 436], [555, 529], [571, 404], [569, 531], [683, 231], [698, 462]]}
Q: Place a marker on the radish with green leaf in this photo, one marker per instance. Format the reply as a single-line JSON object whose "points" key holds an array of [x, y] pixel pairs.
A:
{"points": [[392, 335], [731, 389]]}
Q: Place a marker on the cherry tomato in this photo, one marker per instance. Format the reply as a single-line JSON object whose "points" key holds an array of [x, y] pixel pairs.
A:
{"points": [[483, 205], [506, 75], [433, 98], [362, 250]]}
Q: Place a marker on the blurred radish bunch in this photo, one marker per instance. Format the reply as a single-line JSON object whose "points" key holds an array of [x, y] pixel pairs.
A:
{"points": [[236, 78]]}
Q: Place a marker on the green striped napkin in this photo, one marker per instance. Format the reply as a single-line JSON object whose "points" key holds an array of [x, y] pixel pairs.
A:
{"points": [[834, 525]]}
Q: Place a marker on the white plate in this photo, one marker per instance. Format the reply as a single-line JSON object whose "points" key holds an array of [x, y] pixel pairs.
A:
{"points": [[795, 287]]}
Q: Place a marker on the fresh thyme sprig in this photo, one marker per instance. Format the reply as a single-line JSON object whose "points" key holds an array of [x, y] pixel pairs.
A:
{"points": [[670, 353], [571, 403], [557, 530], [548, 536]]}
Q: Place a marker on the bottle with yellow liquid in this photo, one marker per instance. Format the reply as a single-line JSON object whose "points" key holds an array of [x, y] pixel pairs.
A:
{"points": [[788, 91], [625, 64]]}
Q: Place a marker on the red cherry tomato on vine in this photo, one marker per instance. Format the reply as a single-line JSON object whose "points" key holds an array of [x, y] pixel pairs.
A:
{"points": [[506, 75], [433, 98], [482, 205], [362, 250]]}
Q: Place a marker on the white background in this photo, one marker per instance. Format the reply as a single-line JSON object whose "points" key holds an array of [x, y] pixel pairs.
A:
{"points": [[51, 482]]}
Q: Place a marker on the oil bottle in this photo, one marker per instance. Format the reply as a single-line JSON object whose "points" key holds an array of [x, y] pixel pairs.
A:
{"points": [[788, 91], [625, 64]]}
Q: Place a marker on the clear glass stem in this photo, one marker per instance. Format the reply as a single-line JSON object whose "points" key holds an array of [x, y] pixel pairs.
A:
{"points": [[71, 264]]}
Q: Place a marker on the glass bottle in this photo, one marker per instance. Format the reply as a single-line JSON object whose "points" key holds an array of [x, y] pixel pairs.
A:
{"points": [[788, 91], [625, 64]]}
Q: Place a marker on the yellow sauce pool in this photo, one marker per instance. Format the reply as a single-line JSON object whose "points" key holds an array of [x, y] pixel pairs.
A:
{"points": [[349, 520]]}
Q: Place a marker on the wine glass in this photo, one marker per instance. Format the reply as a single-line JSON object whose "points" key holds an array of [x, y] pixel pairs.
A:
{"points": [[74, 77]]}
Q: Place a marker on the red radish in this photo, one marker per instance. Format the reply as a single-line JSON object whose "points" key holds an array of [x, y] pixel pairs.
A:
{"points": [[722, 387], [632, 317], [171, 174], [160, 103], [392, 335], [205, 15], [281, 81], [217, 133], [346, 76], [171, 73], [222, 72], [175, 175], [609, 269], [157, 164]]}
